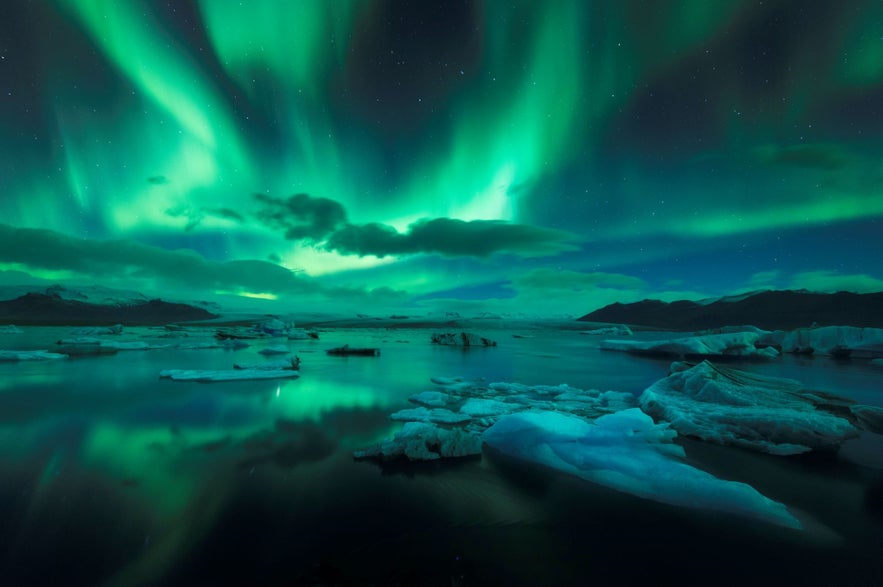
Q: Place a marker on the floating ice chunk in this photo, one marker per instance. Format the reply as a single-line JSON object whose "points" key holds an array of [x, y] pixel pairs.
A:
{"points": [[453, 384], [738, 408], [461, 339], [621, 330], [877, 362], [276, 365], [419, 441], [730, 344], [433, 399], [29, 356], [837, 341], [437, 415], [10, 329], [227, 375], [626, 451], [278, 349], [273, 327]]}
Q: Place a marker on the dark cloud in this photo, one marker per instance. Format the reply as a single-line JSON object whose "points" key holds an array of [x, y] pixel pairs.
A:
{"points": [[304, 217], [816, 156], [105, 259], [449, 237], [195, 216], [301, 216]]}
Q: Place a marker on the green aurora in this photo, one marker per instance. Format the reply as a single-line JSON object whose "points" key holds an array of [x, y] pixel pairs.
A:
{"points": [[342, 153]]}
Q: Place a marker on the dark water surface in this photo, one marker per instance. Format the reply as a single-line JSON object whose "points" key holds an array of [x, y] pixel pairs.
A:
{"points": [[109, 475]]}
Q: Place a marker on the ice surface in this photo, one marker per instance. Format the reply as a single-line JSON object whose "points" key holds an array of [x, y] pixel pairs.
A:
{"points": [[436, 415], [626, 451], [227, 375], [728, 344], [279, 349], [610, 330], [10, 329], [11, 355], [841, 341], [734, 407], [418, 441], [463, 339], [298, 334]]}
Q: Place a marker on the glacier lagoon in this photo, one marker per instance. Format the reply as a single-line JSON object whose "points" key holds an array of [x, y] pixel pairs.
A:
{"points": [[114, 475]]}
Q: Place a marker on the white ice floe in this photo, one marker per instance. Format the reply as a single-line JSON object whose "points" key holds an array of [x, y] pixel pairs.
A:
{"points": [[461, 339], [278, 349], [273, 327], [435, 415], [418, 441], [10, 355], [626, 451], [10, 329], [730, 344], [838, 341], [274, 365], [474, 406], [610, 330], [227, 375], [734, 407]]}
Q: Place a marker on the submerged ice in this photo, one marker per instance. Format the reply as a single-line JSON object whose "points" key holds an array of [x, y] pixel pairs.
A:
{"points": [[628, 452]]}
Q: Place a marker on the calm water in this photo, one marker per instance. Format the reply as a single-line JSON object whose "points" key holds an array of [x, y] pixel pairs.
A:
{"points": [[109, 475]]}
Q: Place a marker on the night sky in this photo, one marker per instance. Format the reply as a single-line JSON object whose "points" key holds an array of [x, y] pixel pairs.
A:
{"points": [[509, 156]]}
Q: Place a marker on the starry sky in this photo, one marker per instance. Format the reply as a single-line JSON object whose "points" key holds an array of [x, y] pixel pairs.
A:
{"points": [[513, 157]]}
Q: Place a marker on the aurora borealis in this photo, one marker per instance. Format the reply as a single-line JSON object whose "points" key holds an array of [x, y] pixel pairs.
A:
{"points": [[519, 156]]}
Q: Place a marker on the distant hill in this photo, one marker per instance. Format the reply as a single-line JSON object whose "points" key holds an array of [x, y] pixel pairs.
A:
{"points": [[47, 309], [771, 310]]}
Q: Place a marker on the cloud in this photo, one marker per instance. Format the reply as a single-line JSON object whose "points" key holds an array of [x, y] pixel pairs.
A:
{"points": [[196, 215], [830, 281], [301, 216], [553, 279], [816, 155], [324, 221], [451, 238], [125, 260]]}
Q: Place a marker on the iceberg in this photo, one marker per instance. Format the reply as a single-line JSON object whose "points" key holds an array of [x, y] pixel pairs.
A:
{"points": [[621, 330], [273, 327], [227, 375], [738, 408], [461, 339], [836, 341], [418, 441], [10, 329], [628, 452], [10, 355], [728, 344]]}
